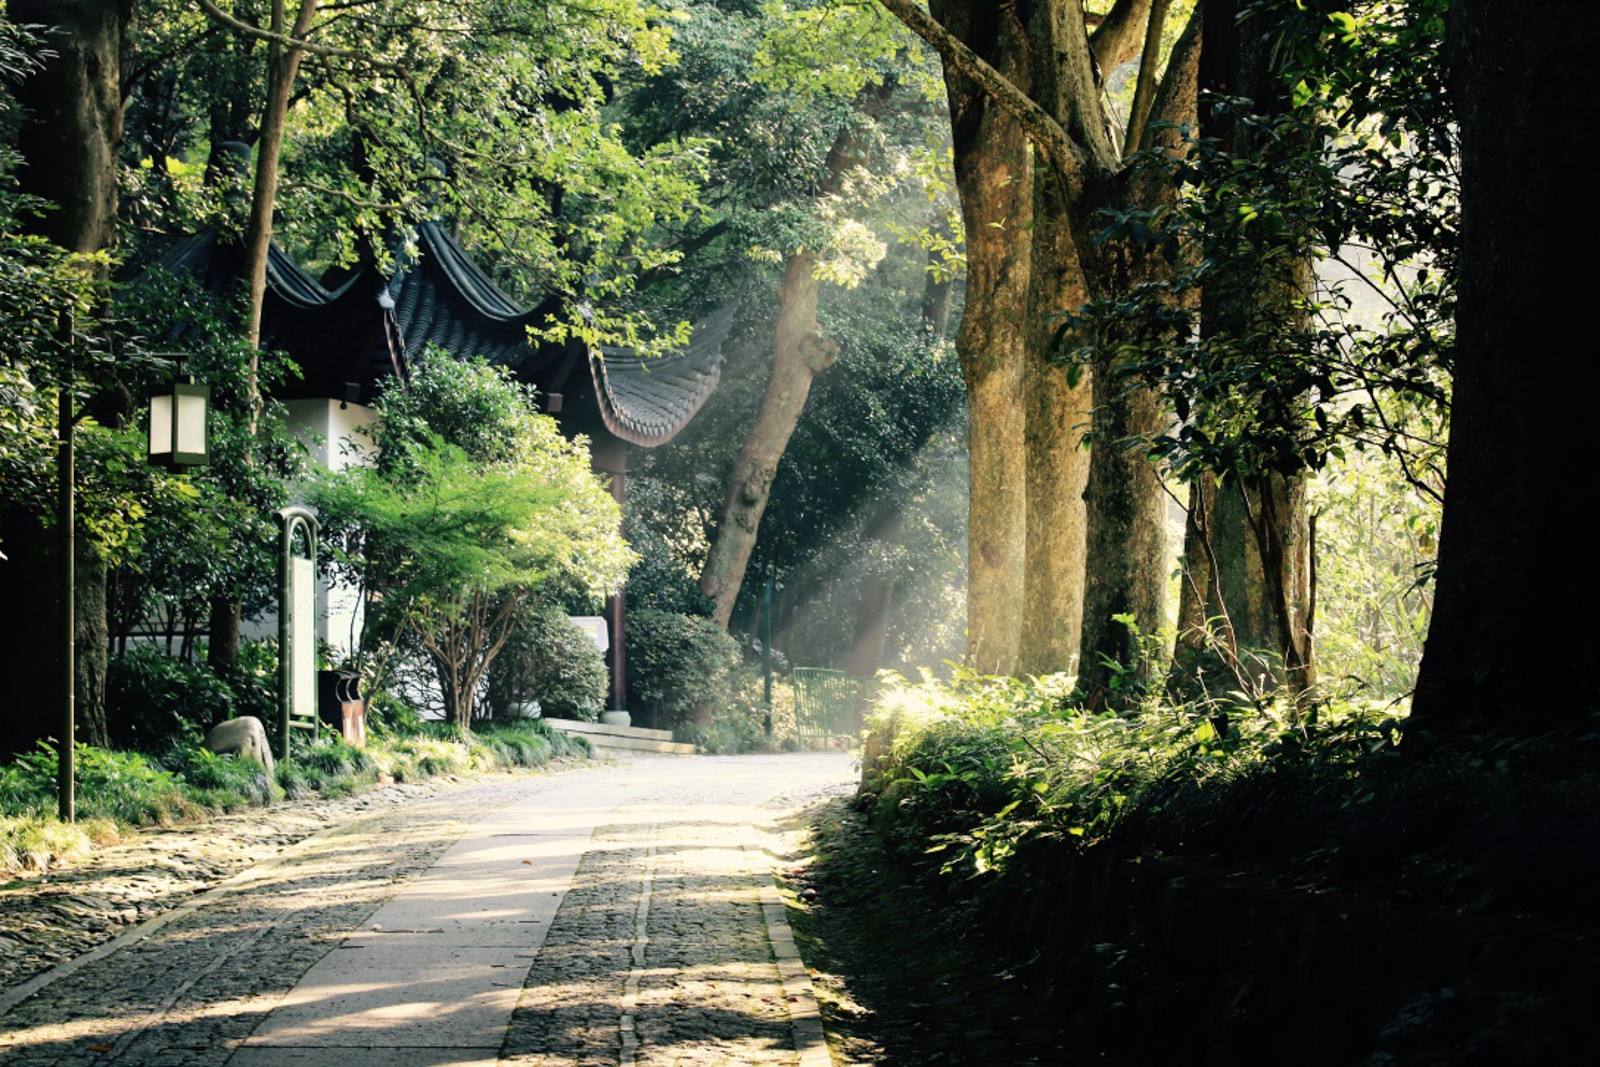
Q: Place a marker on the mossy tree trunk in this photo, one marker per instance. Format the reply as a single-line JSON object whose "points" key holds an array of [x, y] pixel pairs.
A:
{"points": [[994, 182]]}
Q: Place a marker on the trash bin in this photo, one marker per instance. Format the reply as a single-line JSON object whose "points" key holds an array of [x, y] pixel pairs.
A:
{"points": [[340, 705]]}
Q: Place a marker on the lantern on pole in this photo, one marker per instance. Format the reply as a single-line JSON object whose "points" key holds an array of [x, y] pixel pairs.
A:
{"points": [[178, 426]]}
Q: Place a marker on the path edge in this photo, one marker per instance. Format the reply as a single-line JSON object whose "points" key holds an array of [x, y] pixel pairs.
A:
{"points": [[805, 1016]]}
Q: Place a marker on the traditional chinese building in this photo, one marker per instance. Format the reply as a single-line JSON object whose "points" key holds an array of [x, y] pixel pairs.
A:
{"points": [[348, 337]]}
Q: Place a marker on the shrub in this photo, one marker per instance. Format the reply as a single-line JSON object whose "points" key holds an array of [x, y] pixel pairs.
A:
{"points": [[738, 723], [154, 700], [506, 746], [677, 663], [37, 842], [549, 659], [979, 766], [254, 679], [226, 783], [124, 786]]}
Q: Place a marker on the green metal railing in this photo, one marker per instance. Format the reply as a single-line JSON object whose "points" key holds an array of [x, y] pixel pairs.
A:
{"points": [[824, 702]]}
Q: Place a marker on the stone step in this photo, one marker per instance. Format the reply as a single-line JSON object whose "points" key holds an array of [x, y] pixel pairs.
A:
{"points": [[575, 726], [623, 740]]}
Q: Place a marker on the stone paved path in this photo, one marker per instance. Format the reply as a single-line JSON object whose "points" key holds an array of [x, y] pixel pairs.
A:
{"points": [[608, 916]]}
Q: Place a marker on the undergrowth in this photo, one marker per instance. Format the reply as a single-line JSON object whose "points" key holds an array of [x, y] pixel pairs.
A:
{"points": [[966, 776], [183, 783]]}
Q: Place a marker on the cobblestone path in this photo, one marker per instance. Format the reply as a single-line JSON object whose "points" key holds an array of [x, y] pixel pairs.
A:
{"points": [[607, 916]]}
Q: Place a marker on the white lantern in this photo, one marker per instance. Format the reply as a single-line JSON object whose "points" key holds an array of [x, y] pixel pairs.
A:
{"points": [[178, 426]]}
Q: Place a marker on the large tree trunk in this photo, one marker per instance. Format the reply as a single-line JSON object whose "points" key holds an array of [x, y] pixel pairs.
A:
{"points": [[1254, 565], [1125, 554], [801, 354], [994, 180], [1126, 558], [1126, 586], [69, 138], [1059, 401], [1517, 532]]}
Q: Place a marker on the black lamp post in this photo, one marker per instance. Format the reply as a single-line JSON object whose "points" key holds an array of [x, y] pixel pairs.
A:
{"points": [[178, 439]]}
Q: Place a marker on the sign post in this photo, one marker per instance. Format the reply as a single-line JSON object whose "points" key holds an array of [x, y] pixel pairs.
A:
{"points": [[297, 623]]}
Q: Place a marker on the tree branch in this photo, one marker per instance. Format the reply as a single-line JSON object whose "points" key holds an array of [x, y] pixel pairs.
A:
{"points": [[1115, 40], [1174, 107], [1175, 102], [1064, 155], [1144, 90], [289, 41]]}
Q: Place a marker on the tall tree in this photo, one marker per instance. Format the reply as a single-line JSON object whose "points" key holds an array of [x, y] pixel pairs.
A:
{"points": [[1059, 396], [994, 177], [1247, 585], [69, 139], [1516, 535], [1125, 556], [800, 353]]}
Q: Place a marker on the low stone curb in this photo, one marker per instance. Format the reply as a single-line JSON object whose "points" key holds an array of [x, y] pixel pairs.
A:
{"points": [[805, 1017]]}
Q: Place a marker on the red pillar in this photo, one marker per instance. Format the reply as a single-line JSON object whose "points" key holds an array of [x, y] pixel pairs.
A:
{"points": [[610, 456]]}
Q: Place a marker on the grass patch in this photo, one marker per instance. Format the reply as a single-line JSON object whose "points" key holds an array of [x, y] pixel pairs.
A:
{"points": [[37, 842], [185, 782], [967, 776]]}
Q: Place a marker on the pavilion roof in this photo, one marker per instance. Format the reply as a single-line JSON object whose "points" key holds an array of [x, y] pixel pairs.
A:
{"points": [[368, 326]]}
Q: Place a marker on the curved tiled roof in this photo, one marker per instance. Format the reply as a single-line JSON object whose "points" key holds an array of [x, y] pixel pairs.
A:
{"points": [[367, 327], [647, 401]]}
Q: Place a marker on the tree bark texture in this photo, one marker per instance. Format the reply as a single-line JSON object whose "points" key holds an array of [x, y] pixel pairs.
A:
{"points": [[283, 64], [1058, 408], [1255, 562], [1518, 534], [801, 353], [1126, 552], [69, 139], [994, 181]]}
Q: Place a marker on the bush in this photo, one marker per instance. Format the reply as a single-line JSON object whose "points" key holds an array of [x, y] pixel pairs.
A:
{"points": [[980, 766], [223, 783], [738, 723], [523, 744], [253, 677], [677, 663], [549, 659], [124, 786], [154, 700]]}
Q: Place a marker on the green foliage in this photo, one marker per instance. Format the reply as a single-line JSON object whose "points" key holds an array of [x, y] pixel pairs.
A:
{"points": [[153, 699], [1376, 542], [124, 786], [221, 783], [1358, 173], [549, 659], [978, 768], [677, 663], [453, 536], [738, 721], [508, 746]]}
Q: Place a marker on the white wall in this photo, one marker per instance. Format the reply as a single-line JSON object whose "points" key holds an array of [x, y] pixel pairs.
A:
{"points": [[337, 438]]}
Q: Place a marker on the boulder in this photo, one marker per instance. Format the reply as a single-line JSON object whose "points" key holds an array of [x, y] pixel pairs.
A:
{"points": [[245, 736]]}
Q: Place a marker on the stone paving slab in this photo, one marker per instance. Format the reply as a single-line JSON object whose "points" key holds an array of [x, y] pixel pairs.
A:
{"points": [[612, 916]]}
